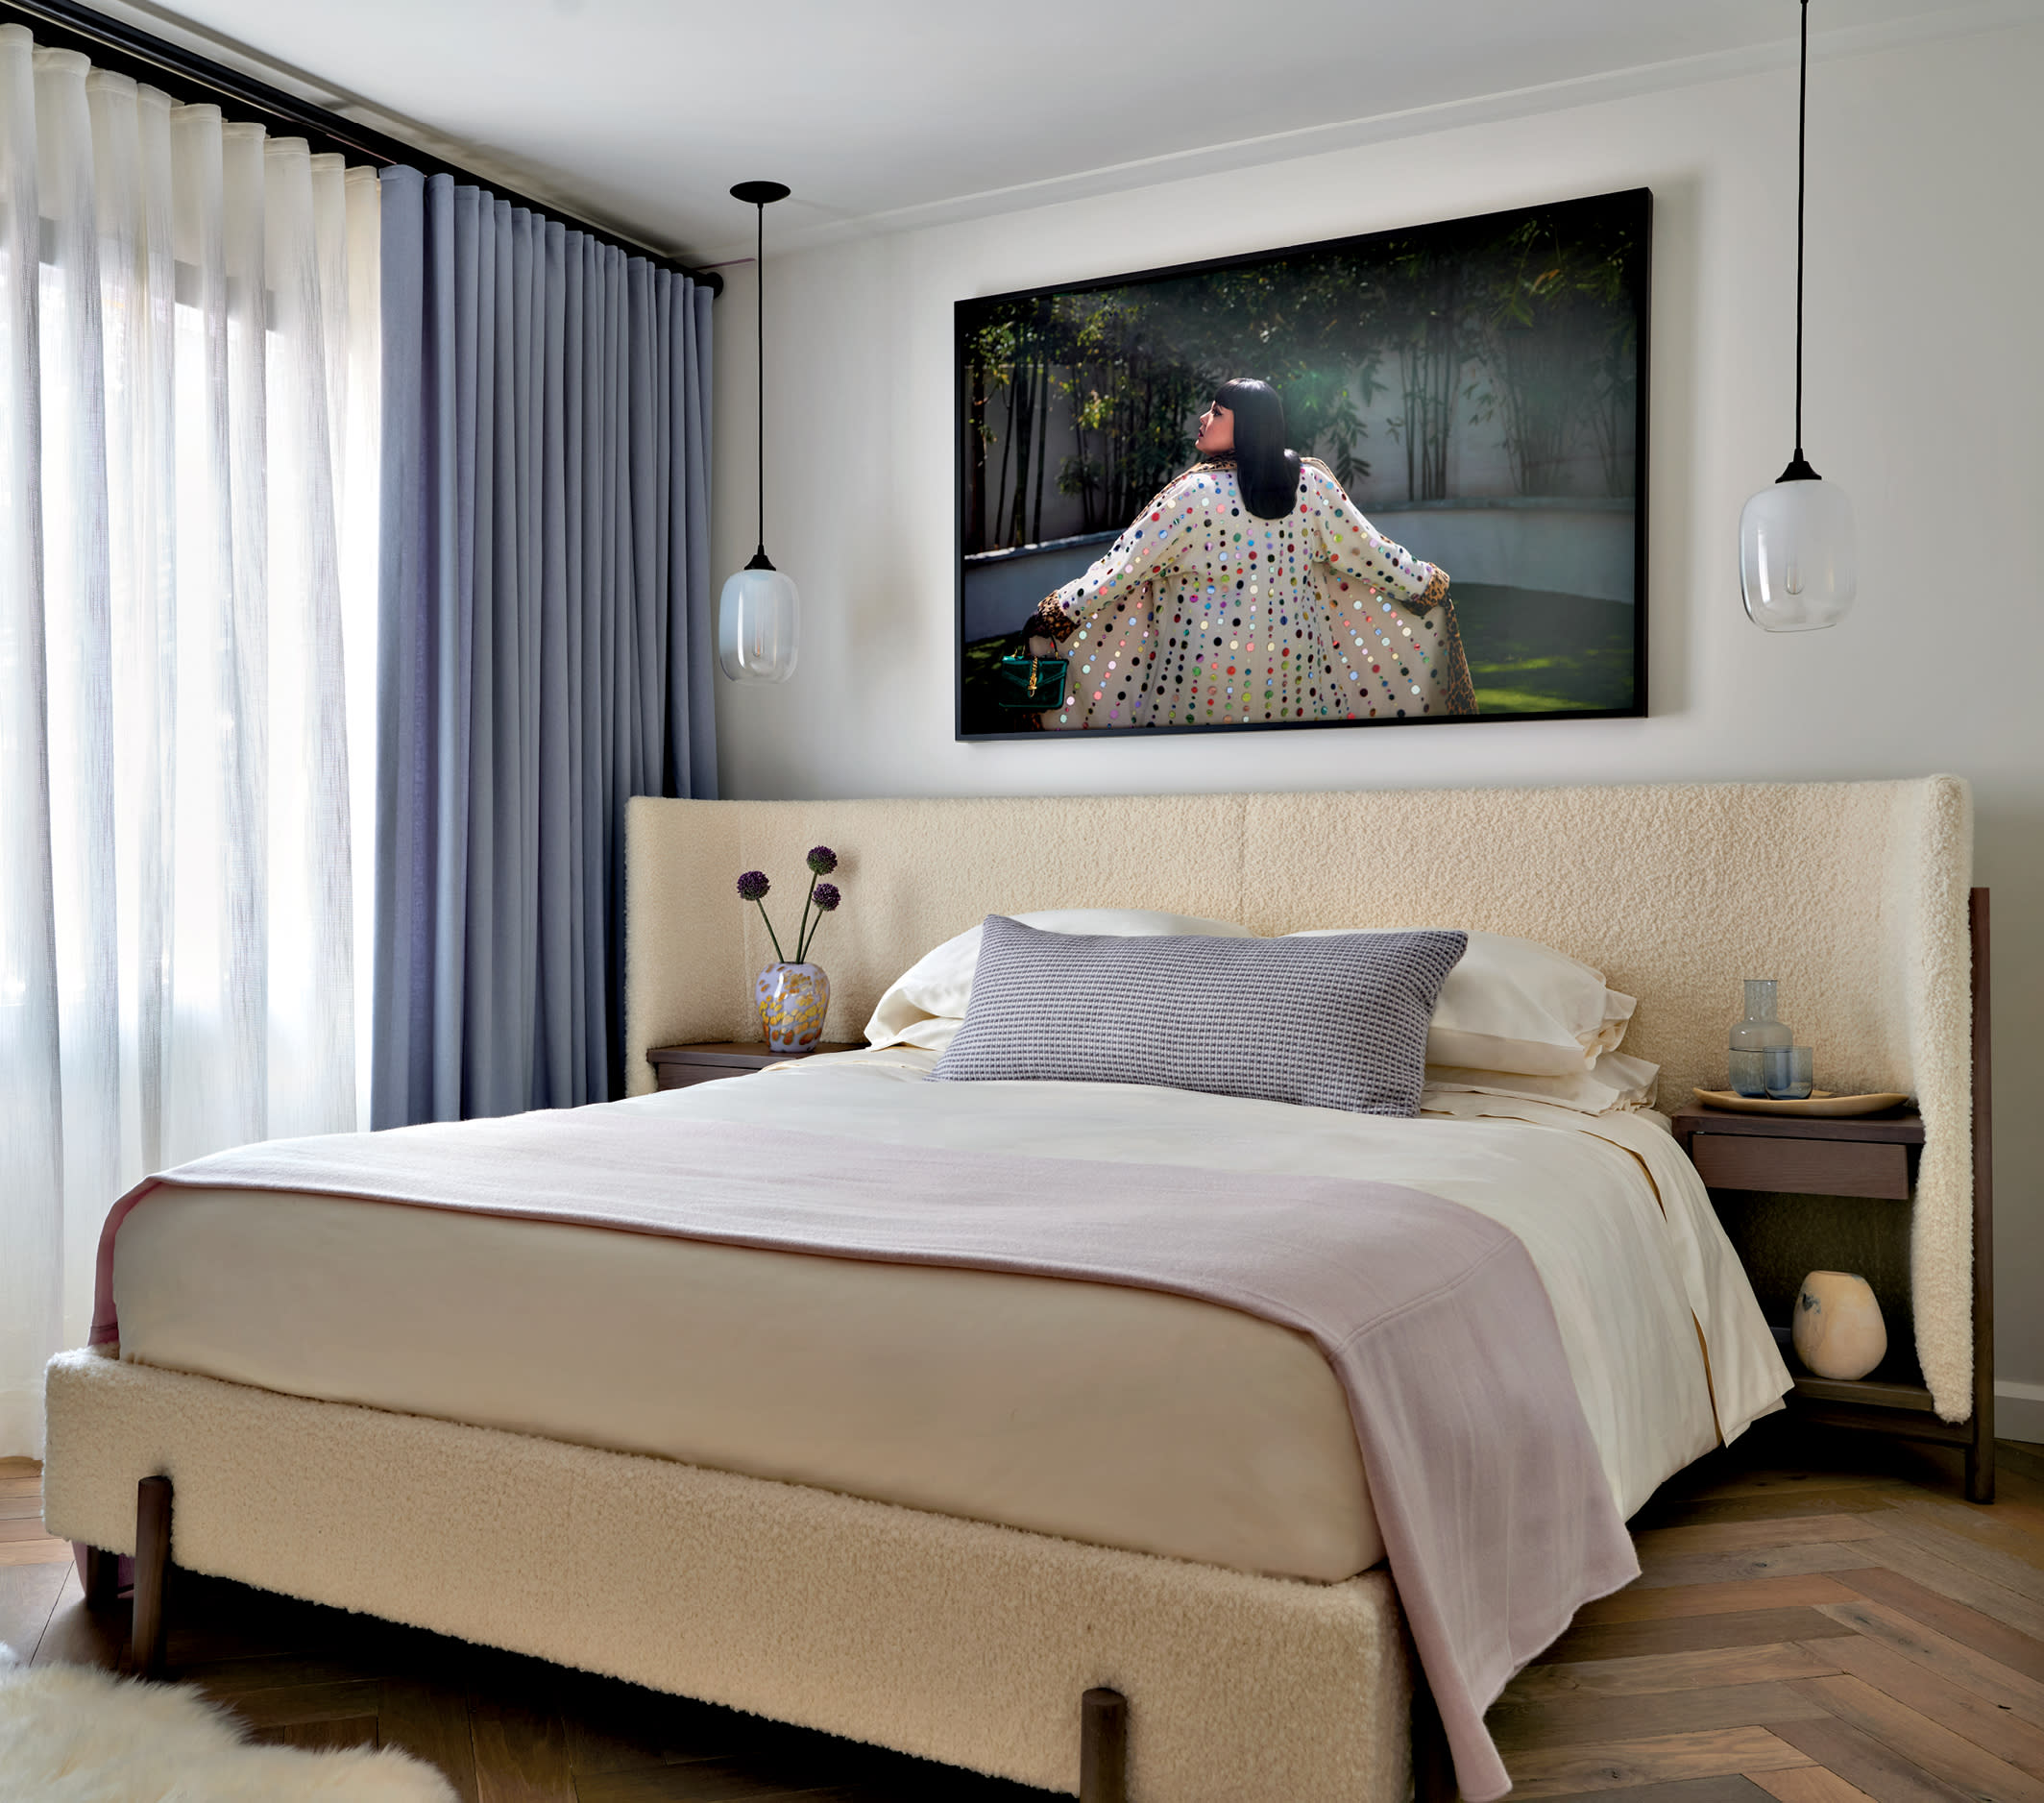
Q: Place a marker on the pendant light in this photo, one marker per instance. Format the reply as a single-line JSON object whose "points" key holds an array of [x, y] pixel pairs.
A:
{"points": [[757, 614], [1797, 568]]}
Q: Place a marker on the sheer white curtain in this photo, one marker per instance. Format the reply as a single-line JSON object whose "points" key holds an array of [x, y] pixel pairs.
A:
{"points": [[189, 396]]}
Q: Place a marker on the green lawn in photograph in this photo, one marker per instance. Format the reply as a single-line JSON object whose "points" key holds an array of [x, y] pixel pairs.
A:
{"points": [[1532, 651]]}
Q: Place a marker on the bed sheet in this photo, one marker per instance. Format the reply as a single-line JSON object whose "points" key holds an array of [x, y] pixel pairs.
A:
{"points": [[1116, 1416]]}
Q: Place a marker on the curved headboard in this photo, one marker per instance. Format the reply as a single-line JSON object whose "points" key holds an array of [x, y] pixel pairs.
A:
{"points": [[1853, 894]]}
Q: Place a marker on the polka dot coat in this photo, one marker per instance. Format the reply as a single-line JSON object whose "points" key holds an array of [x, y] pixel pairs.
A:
{"points": [[1203, 615]]}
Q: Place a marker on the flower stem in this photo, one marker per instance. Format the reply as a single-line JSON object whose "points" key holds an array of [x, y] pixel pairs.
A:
{"points": [[802, 934], [771, 934]]}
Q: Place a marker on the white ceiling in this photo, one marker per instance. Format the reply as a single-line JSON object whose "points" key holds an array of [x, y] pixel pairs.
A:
{"points": [[642, 113]]}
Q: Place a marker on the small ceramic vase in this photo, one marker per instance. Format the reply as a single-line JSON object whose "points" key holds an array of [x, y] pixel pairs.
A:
{"points": [[793, 999], [1838, 1330]]}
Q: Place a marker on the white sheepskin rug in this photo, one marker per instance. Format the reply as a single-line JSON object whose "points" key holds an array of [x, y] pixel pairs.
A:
{"points": [[71, 1733]]}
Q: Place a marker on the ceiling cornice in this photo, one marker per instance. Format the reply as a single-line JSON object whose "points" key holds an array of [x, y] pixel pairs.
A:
{"points": [[1612, 84]]}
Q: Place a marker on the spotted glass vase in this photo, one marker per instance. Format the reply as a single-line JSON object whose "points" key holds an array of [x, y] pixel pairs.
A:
{"points": [[793, 999]]}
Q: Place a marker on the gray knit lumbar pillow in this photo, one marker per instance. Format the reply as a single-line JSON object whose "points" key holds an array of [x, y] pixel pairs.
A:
{"points": [[1334, 1022]]}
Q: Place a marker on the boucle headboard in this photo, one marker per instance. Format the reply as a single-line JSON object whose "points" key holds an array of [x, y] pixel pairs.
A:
{"points": [[1853, 894]]}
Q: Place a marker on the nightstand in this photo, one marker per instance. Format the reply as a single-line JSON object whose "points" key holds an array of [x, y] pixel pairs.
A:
{"points": [[1759, 1160], [678, 1066]]}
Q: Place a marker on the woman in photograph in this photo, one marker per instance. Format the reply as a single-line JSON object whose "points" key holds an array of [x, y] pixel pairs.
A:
{"points": [[1252, 592]]}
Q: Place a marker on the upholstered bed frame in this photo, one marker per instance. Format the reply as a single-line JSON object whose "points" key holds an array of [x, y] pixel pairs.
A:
{"points": [[974, 1644]]}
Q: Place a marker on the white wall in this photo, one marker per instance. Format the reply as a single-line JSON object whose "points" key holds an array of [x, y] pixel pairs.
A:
{"points": [[1927, 347]]}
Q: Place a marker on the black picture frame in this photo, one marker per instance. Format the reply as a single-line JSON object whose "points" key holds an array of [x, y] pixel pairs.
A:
{"points": [[1630, 209]]}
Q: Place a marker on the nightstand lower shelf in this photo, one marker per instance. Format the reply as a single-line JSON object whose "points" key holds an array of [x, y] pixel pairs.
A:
{"points": [[1861, 1393], [1888, 1388]]}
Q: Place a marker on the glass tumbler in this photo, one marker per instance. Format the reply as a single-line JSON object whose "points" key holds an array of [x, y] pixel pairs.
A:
{"points": [[1790, 1070]]}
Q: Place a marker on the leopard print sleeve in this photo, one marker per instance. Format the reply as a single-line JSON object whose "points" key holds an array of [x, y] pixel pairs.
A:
{"points": [[1052, 622]]}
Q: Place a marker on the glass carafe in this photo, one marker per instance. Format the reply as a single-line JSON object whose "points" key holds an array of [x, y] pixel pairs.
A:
{"points": [[1755, 1036]]}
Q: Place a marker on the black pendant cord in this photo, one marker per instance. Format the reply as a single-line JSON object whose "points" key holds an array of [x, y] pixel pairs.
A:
{"points": [[1802, 184], [761, 195], [1799, 470], [759, 318]]}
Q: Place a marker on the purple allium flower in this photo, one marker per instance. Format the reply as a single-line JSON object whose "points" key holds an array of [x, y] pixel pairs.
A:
{"points": [[753, 886], [822, 860], [826, 897]]}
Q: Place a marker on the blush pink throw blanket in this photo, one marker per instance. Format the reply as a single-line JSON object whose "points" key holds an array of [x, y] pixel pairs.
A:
{"points": [[1488, 1489]]}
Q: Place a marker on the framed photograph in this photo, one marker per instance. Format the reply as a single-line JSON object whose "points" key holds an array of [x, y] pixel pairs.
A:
{"points": [[1390, 480]]}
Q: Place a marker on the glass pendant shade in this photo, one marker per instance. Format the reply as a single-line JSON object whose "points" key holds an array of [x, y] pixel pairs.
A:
{"points": [[756, 616], [1798, 569], [1797, 566]]}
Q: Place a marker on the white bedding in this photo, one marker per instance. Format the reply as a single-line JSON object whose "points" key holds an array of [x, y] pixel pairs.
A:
{"points": [[1118, 1416]]}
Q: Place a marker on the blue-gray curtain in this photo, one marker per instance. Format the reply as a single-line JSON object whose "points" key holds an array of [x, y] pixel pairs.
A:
{"points": [[544, 645]]}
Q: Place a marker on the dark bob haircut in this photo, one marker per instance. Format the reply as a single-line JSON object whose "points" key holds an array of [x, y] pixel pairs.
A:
{"points": [[1265, 468]]}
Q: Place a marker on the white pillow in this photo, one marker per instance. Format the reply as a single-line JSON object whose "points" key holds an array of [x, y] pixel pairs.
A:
{"points": [[1517, 1005], [927, 1002], [1614, 1081]]}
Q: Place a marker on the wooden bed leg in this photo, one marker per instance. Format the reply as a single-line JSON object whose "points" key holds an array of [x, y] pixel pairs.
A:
{"points": [[1980, 1472], [1433, 1769], [152, 1571], [103, 1579], [1980, 1454], [1102, 1747]]}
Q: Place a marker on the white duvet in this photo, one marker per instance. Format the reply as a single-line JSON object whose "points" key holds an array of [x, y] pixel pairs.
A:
{"points": [[1616, 1218], [1123, 1417]]}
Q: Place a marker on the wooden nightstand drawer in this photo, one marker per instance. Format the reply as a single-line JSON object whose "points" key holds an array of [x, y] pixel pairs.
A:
{"points": [[1816, 1167], [682, 1066], [686, 1076]]}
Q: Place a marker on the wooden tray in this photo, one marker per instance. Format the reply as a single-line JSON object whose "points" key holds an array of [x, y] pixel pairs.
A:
{"points": [[1818, 1101]]}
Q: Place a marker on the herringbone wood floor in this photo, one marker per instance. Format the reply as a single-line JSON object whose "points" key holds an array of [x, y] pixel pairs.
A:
{"points": [[1829, 1630]]}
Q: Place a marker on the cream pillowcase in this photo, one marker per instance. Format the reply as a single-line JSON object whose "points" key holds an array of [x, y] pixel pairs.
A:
{"points": [[1614, 1081], [1517, 1005], [926, 1006]]}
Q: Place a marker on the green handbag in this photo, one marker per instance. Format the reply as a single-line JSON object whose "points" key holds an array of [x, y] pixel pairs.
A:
{"points": [[1031, 684]]}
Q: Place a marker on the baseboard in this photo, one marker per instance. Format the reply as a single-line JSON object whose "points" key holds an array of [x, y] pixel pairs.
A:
{"points": [[2019, 1411]]}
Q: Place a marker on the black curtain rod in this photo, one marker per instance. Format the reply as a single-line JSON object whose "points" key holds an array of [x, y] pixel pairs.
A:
{"points": [[113, 44]]}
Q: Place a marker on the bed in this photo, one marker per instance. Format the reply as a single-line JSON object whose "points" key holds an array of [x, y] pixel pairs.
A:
{"points": [[1025, 1488]]}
